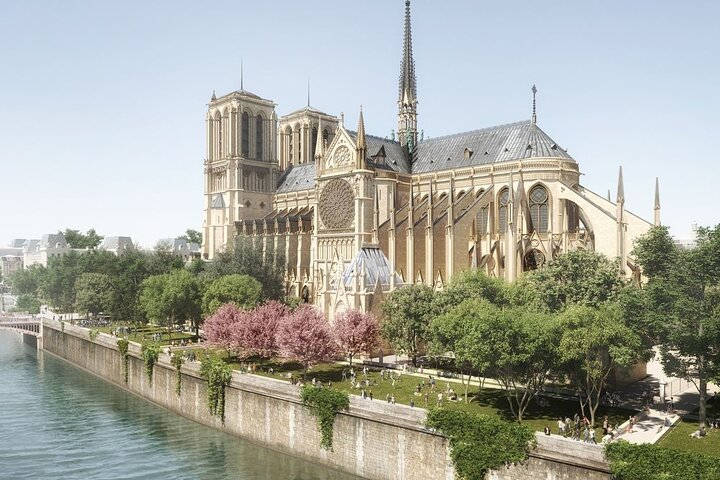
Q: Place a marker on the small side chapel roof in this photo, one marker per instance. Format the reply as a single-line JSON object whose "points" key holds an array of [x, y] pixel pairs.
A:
{"points": [[375, 265], [502, 143]]}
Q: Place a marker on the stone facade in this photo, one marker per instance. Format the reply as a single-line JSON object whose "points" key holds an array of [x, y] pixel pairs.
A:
{"points": [[355, 216], [374, 440]]}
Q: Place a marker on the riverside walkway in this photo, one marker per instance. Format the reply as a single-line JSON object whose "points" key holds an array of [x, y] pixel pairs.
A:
{"points": [[24, 324]]}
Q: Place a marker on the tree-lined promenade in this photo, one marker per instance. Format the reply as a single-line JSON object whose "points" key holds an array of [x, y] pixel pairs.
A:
{"points": [[576, 323]]}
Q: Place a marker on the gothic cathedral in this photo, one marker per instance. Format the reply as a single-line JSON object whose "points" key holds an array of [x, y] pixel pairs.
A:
{"points": [[355, 216]]}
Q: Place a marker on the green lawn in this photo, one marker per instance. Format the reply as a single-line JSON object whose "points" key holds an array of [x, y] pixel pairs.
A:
{"points": [[144, 333], [679, 439], [485, 401]]}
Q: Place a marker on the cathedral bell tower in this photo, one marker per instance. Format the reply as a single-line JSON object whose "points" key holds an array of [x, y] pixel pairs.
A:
{"points": [[407, 100], [240, 165]]}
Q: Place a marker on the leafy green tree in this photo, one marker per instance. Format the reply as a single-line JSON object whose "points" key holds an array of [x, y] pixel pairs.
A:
{"points": [[408, 312], [192, 236], [246, 258], [517, 347], [76, 239], [578, 277], [453, 333], [93, 293], [26, 281], [471, 283], [242, 290], [172, 298], [57, 285], [594, 342], [683, 294], [27, 303]]}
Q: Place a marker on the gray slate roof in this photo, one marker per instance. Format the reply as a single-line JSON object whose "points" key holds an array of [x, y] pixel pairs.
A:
{"points": [[376, 266], [116, 243], [502, 143], [53, 240], [395, 158], [296, 178]]}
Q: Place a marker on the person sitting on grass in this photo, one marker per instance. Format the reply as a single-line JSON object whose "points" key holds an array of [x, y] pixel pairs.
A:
{"points": [[699, 433]]}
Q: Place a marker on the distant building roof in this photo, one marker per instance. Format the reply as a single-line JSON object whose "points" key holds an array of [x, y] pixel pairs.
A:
{"points": [[53, 240], [117, 243], [17, 243]]}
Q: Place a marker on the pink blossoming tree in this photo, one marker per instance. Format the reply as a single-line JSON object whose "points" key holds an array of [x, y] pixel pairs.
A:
{"points": [[355, 332], [305, 337], [256, 333], [219, 328]]}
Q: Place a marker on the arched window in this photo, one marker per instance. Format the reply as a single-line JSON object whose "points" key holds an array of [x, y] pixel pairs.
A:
{"points": [[245, 133], [313, 139], [218, 121], [326, 136], [258, 137], [539, 208], [503, 209], [483, 217]]}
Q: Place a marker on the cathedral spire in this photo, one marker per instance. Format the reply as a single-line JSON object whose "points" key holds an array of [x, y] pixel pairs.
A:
{"points": [[621, 188], [534, 111], [361, 142], [657, 203], [407, 96], [242, 87]]}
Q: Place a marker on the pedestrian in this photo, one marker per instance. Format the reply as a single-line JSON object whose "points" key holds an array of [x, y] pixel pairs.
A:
{"points": [[592, 436], [392, 399], [547, 430], [371, 394], [412, 403], [387, 398]]}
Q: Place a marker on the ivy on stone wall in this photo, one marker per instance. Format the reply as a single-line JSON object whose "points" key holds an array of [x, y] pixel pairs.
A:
{"points": [[177, 362], [93, 334], [123, 346], [650, 462], [150, 353], [217, 374], [325, 403], [480, 443]]}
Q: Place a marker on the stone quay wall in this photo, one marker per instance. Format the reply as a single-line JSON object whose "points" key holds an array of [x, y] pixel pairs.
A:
{"points": [[374, 439]]}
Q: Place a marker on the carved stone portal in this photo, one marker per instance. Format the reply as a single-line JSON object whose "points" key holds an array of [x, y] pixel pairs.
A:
{"points": [[336, 206]]}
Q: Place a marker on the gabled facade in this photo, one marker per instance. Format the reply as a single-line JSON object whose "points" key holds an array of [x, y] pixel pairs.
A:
{"points": [[355, 216]]}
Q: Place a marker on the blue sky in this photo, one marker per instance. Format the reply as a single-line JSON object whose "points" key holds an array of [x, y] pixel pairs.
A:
{"points": [[102, 103]]}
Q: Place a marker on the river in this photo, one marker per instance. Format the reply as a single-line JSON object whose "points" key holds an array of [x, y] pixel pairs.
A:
{"points": [[59, 422]]}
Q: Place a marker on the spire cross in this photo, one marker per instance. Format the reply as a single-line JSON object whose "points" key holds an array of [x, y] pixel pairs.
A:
{"points": [[241, 75], [308, 92]]}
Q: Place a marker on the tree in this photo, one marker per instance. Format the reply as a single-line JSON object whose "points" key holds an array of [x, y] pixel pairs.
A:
{"points": [[27, 303], [247, 258], [452, 333], [76, 239], [192, 236], [242, 290], [27, 280], [172, 297], [256, 332], [471, 283], [407, 313], [683, 295], [305, 337], [515, 346], [93, 293], [220, 327], [355, 332], [594, 342], [578, 277]]}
